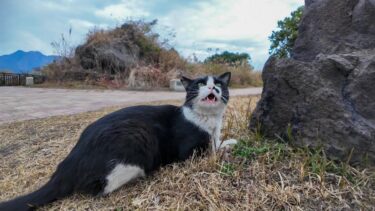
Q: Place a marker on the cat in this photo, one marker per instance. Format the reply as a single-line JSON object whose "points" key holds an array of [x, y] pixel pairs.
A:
{"points": [[135, 141]]}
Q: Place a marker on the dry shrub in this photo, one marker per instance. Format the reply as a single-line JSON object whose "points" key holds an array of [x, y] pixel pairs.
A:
{"points": [[132, 39], [117, 81], [66, 70], [146, 78], [114, 55], [171, 60], [98, 36], [242, 75]]}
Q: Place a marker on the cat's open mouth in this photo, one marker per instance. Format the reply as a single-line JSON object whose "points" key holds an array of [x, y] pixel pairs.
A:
{"points": [[211, 98]]}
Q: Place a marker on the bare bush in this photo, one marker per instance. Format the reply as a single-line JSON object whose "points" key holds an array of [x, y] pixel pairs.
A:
{"points": [[133, 56], [109, 57], [147, 77], [62, 47], [242, 75]]}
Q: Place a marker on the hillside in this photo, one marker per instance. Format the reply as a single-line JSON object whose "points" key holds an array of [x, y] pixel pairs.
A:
{"points": [[21, 61]]}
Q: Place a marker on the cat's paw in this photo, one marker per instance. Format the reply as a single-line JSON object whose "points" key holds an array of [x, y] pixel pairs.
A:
{"points": [[228, 143], [226, 148]]}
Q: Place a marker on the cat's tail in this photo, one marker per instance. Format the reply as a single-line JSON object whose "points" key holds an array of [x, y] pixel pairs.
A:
{"points": [[48, 193]]}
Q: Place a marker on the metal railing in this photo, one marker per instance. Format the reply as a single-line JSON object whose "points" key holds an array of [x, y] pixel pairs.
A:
{"points": [[12, 79]]}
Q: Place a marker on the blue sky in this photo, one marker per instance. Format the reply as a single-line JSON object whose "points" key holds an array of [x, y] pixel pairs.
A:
{"points": [[238, 26]]}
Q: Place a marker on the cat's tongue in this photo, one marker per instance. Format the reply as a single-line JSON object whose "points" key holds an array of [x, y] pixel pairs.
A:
{"points": [[211, 100]]}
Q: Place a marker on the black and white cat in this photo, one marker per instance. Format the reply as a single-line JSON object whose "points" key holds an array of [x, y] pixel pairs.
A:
{"points": [[135, 141]]}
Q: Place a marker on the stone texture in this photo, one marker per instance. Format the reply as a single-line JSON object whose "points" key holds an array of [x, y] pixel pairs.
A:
{"points": [[325, 91], [331, 26]]}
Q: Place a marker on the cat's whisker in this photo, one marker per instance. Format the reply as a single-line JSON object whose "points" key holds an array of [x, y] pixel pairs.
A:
{"points": [[225, 100], [192, 92], [190, 98]]}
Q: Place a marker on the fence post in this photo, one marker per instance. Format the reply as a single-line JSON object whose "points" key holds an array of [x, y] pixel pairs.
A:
{"points": [[2, 79]]}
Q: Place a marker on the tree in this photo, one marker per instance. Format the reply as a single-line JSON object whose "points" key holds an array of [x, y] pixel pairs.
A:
{"points": [[282, 40], [229, 58]]}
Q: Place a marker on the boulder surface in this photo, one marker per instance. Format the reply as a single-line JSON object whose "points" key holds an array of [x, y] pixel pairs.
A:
{"points": [[324, 94]]}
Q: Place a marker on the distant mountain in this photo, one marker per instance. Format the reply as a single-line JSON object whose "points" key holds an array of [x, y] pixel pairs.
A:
{"points": [[22, 62]]}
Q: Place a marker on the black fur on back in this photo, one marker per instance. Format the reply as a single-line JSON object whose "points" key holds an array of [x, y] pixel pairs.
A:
{"points": [[145, 136]]}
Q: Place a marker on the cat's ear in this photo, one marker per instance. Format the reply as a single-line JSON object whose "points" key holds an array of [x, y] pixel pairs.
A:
{"points": [[185, 81], [225, 77]]}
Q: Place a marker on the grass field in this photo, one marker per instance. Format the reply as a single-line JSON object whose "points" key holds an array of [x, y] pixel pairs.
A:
{"points": [[257, 174]]}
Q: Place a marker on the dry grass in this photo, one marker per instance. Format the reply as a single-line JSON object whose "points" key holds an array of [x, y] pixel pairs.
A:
{"points": [[256, 175], [242, 76]]}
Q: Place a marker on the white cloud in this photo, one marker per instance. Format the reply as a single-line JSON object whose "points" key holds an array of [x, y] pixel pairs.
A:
{"points": [[123, 10], [78, 23], [241, 25], [225, 21], [51, 5]]}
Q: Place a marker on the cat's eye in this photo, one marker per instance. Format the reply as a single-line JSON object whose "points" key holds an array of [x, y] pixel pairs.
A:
{"points": [[218, 84], [200, 84]]}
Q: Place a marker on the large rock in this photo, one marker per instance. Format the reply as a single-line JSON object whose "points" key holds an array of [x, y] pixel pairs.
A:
{"points": [[335, 26], [324, 94]]}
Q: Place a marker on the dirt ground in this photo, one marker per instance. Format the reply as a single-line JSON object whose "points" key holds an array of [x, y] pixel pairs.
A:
{"points": [[257, 176]]}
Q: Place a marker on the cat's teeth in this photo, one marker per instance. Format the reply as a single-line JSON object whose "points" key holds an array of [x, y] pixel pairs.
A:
{"points": [[207, 99]]}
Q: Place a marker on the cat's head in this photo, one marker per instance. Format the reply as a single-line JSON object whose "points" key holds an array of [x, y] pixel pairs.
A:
{"points": [[207, 93]]}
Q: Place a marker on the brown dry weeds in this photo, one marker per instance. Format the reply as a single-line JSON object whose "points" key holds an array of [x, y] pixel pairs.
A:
{"points": [[256, 175]]}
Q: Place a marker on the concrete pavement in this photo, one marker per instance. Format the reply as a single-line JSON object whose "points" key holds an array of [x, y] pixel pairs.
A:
{"points": [[21, 103]]}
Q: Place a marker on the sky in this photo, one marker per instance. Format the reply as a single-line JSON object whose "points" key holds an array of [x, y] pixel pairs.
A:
{"points": [[198, 25]]}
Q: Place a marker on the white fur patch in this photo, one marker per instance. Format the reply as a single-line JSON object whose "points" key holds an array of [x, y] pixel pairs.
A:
{"points": [[211, 123], [228, 142], [121, 175], [210, 82], [206, 122]]}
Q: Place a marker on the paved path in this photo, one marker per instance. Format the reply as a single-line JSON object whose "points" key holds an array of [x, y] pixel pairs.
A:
{"points": [[20, 103]]}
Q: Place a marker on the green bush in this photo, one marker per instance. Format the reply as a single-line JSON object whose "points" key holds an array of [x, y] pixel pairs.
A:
{"points": [[229, 58], [282, 40]]}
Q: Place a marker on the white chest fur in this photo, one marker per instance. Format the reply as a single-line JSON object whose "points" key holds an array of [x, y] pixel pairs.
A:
{"points": [[209, 123]]}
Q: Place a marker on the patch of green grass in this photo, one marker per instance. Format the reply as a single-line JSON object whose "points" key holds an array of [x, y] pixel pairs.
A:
{"points": [[251, 149], [227, 169], [317, 162], [246, 151], [314, 160]]}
